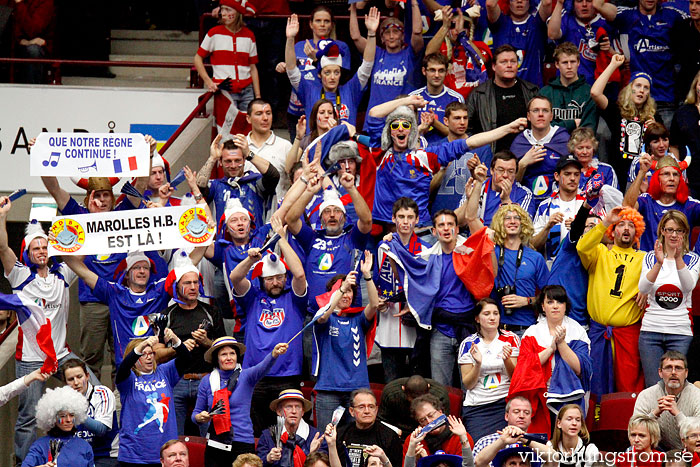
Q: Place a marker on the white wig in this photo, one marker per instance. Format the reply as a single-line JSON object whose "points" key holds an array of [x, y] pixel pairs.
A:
{"points": [[57, 400]]}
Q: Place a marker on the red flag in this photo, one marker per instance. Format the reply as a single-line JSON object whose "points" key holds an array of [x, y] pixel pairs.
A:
{"points": [[475, 267]]}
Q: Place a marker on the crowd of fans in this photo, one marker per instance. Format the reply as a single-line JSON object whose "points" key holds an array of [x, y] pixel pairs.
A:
{"points": [[485, 231]]}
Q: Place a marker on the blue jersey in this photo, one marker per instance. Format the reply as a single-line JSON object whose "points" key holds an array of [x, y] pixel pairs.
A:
{"points": [[606, 170], [346, 99], [327, 256], [76, 452], [490, 200], [548, 208], [247, 189], [581, 35], [649, 39], [451, 189], [528, 279], [148, 414], [308, 70], [409, 174], [529, 38], [128, 310], [391, 75], [339, 359], [313, 216], [101, 408], [436, 104], [452, 297], [568, 271], [539, 177], [653, 211], [269, 322]]}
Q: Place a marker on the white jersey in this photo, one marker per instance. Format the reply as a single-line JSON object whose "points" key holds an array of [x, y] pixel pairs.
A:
{"points": [[51, 293]]}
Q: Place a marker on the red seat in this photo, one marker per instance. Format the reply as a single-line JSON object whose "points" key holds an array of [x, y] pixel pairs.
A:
{"points": [[195, 446], [610, 430], [456, 400]]}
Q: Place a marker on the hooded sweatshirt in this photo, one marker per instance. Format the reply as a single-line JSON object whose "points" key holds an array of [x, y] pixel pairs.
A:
{"points": [[571, 102]]}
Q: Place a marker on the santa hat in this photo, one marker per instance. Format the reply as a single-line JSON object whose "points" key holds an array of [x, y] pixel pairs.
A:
{"points": [[32, 230], [270, 265], [244, 7], [329, 54], [331, 198], [654, 189], [233, 206], [158, 161], [182, 264]]}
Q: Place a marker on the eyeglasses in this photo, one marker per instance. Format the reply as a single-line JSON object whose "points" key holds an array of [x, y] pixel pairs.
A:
{"points": [[672, 368], [431, 416], [364, 407], [403, 124], [674, 231], [693, 436], [501, 171], [512, 218], [148, 354]]}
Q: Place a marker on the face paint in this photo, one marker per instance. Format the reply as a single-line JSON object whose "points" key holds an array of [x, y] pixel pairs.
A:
{"points": [[347, 165]]}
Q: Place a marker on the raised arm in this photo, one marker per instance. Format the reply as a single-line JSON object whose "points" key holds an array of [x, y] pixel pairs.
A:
{"points": [[290, 57], [364, 221], [554, 23], [7, 256], [493, 11], [598, 88], [472, 210], [372, 294], [77, 264], [60, 195], [488, 137], [215, 151], [239, 281], [384, 109], [434, 44], [296, 210], [416, 26], [350, 280], [545, 10], [606, 10], [372, 24], [360, 42], [290, 257], [635, 189]]}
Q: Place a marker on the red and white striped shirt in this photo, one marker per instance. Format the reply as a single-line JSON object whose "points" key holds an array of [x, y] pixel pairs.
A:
{"points": [[231, 55]]}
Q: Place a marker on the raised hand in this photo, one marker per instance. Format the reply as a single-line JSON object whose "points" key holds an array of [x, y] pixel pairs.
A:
{"points": [[292, 26]]}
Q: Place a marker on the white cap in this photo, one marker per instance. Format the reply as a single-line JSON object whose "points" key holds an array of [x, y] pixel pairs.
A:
{"points": [[134, 257], [270, 265], [331, 198], [234, 206], [33, 230]]}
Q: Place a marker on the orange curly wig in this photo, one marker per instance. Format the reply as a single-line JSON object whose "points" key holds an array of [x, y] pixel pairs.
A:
{"points": [[629, 214]]}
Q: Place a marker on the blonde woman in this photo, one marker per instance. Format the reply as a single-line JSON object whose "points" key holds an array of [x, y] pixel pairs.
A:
{"points": [[628, 119], [584, 146], [522, 271], [669, 275], [685, 134]]}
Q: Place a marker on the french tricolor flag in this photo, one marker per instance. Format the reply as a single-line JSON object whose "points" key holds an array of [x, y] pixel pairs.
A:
{"points": [[131, 161], [36, 328]]}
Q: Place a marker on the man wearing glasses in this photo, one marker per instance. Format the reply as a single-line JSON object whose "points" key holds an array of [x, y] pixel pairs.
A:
{"points": [[450, 437], [672, 400], [354, 438]]}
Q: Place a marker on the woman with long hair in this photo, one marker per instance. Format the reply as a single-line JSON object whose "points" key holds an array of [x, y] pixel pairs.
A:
{"points": [[685, 134], [571, 444], [634, 110], [669, 275], [486, 361]]}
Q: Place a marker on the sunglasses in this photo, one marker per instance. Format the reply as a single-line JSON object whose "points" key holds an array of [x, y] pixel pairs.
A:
{"points": [[395, 125]]}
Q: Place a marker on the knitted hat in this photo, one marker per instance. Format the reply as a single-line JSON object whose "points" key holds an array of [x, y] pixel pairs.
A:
{"points": [[329, 54], [402, 112], [640, 74], [331, 198], [181, 266], [244, 7]]}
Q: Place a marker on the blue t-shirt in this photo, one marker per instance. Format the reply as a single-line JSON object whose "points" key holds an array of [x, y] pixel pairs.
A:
{"points": [[128, 310], [539, 177], [308, 70], [269, 322], [650, 45], [529, 38], [568, 271], [339, 359], [456, 175], [530, 277], [246, 188], [452, 297], [327, 256], [579, 34], [148, 414], [346, 98], [391, 75], [436, 104], [653, 211]]}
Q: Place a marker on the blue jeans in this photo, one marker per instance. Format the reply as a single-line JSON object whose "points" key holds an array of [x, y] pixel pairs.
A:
{"points": [[655, 344], [326, 402], [664, 111], [443, 357], [25, 433], [184, 395], [34, 72], [243, 98]]}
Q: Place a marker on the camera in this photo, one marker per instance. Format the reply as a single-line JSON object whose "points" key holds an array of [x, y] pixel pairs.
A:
{"points": [[505, 290]]}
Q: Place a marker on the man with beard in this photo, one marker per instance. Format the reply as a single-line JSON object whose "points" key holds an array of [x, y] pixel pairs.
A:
{"points": [[426, 409], [614, 301], [671, 400], [274, 314], [329, 251]]}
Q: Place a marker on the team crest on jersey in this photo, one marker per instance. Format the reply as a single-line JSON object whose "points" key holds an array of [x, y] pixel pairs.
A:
{"points": [[492, 381], [325, 262], [520, 53], [69, 234], [272, 319], [540, 185], [140, 325]]}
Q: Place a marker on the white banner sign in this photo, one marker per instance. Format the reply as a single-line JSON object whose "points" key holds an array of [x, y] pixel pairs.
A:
{"points": [[90, 155], [136, 229]]}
